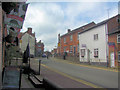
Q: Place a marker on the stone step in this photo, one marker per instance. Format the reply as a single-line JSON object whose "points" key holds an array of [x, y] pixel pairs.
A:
{"points": [[35, 81]]}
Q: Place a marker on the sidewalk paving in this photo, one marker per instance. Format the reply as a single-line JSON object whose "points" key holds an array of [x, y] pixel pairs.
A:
{"points": [[25, 83]]}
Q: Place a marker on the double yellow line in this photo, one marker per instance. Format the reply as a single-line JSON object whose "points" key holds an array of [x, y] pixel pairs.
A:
{"points": [[73, 78]]}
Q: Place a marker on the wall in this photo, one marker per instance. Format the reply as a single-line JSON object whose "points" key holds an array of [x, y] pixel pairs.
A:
{"points": [[115, 49], [24, 43], [75, 40], [88, 39]]}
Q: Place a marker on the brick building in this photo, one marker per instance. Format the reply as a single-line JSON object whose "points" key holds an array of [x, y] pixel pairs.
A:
{"points": [[69, 42], [114, 41], [54, 52], [39, 48]]}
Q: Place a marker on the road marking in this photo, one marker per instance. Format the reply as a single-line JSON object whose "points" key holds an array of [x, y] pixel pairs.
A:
{"points": [[73, 78], [107, 69]]}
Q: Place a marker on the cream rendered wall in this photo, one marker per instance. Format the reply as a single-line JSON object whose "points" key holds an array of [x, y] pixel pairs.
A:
{"points": [[88, 39], [25, 39]]}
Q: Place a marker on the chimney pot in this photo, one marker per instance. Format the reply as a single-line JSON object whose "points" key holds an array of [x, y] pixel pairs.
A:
{"points": [[69, 30]]}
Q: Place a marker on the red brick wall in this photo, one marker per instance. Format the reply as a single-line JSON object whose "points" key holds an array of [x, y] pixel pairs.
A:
{"points": [[75, 40], [113, 38], [112, 25]]}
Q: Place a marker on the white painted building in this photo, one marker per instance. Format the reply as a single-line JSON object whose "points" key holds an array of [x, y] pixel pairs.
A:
{"points": [[93, 44], [28, 37]]}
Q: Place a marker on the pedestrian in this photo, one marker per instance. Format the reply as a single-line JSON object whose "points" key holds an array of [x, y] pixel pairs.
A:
{"points": [[47, 56]]}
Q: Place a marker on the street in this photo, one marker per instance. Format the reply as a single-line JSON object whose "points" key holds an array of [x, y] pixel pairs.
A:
{"points": [[93, 77]]}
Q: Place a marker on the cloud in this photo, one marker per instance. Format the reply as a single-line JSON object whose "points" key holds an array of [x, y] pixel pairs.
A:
{"points": [[50, 19]]}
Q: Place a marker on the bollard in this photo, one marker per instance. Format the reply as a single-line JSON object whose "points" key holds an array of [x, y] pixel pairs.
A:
{"points": [[39, 66]]}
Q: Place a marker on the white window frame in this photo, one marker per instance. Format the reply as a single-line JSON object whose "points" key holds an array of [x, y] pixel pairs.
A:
{"points": [[71, 48], [95, 37], [118, 56], [78, 37], [118, 36], [82, 52], [64, 40], [65, 49], [78, 48], [96, 52], [71, 37]]}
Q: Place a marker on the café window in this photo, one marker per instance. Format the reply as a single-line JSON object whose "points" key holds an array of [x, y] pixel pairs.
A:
{"points": [[96, 52], [82, 52]]}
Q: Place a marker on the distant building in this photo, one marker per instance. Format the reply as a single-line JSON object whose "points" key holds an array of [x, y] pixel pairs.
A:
{"points": [[39, 48], [54, 52], [25, 38], [69, 42]]}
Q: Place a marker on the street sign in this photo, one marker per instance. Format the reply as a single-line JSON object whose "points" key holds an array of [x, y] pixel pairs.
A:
{"points": [[20, 41], [58, 44], [16, 16], [84, 45]]}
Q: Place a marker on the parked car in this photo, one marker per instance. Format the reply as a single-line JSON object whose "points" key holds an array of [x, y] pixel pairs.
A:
{"points": [[31, 56], [44, 55]]}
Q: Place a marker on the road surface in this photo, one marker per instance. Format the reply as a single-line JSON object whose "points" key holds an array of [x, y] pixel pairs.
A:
{"points": [[86, 75]]}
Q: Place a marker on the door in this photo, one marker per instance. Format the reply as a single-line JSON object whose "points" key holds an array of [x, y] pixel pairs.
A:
{"points": [[88, 56], [112, 59], [74, 50]]}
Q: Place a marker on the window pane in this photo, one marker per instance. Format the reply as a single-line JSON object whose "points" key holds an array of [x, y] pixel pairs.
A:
{"points": [[119, 56]]}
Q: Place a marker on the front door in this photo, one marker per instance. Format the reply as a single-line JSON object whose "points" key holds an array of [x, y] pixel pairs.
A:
{"points": [[112, 59], [74, 50]]}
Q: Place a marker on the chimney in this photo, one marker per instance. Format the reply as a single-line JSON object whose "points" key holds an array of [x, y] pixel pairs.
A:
{"points": [[40, 41], [59, 37], [69, 30], [30, 30]]}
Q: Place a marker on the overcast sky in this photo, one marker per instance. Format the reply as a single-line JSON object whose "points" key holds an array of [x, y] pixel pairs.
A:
{"points": [[48, 19]]}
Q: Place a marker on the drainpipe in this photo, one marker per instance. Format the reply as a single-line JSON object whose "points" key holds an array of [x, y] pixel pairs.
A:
{"points": [[107, 49]]}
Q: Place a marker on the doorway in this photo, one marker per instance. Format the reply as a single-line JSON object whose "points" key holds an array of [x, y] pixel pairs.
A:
{"points": [[112, 59]]}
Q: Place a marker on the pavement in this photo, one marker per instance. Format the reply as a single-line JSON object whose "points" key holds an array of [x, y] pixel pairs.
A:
{"points": [[25, 83], [84, 65]]}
